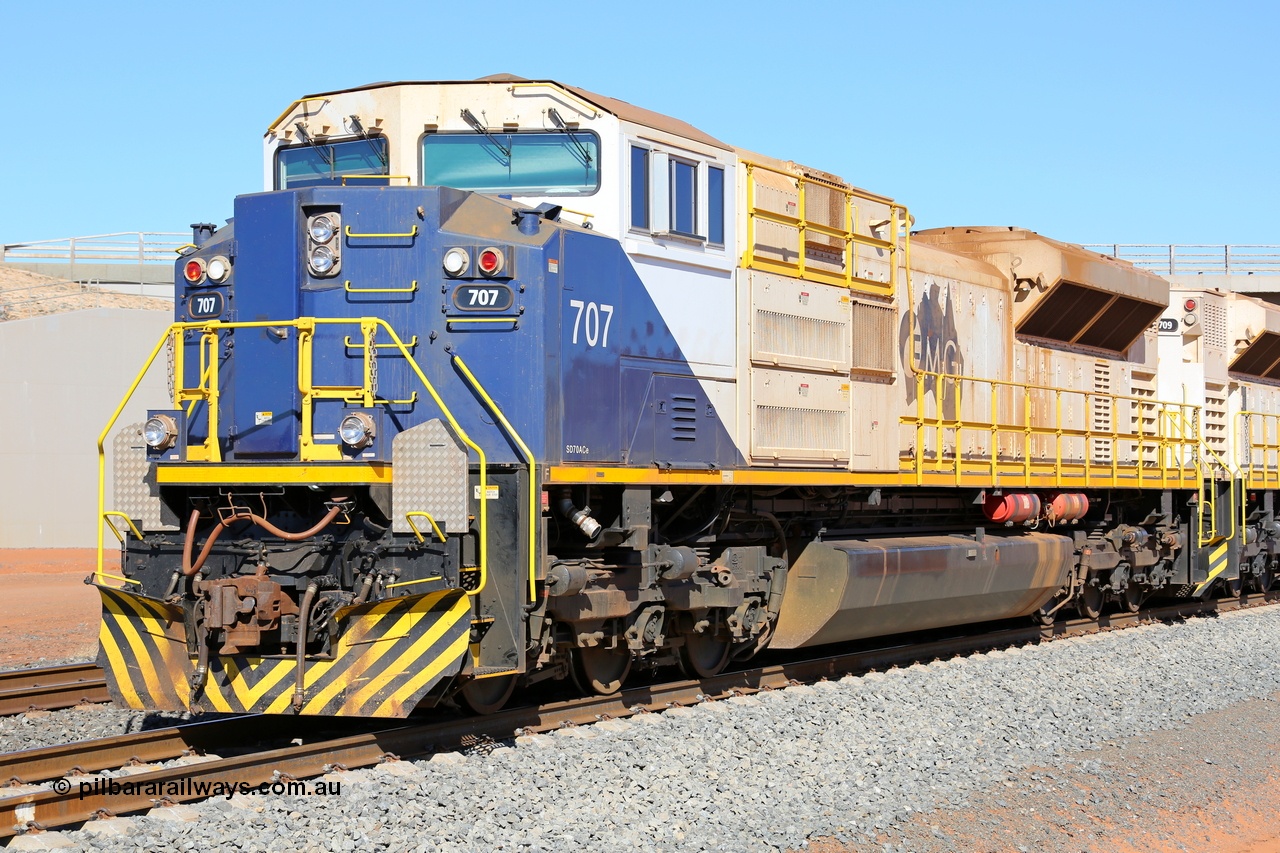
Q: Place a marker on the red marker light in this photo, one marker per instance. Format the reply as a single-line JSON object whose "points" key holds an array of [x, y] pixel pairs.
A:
{"points": [[1189, 305], [194, 271], [490, 261]]}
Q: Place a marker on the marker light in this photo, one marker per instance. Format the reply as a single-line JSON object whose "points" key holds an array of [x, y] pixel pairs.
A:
{"points": [[321, 260], [1189, 305], [490, 261], [356, 430], [160, 432], [322, 229], [219, 269], [456, 261], [194, 270]]}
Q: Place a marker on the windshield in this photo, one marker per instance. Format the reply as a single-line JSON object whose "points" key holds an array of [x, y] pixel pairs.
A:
{"points": [[327, 163], [519, 163]]}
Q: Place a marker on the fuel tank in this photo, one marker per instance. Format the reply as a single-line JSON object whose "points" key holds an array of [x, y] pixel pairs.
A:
{"points": [[847, 589]]}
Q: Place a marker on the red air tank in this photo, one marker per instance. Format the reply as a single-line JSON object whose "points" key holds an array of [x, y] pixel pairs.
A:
{"points": [[1068, 507], [1011, 509]]}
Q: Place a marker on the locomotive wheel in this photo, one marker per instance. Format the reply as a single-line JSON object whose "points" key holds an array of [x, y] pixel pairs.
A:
{"points": [[596, 669], [1132, 597], [704, 655], [487, 695], [1232, 587], [1264, 580], [1089, 604]]}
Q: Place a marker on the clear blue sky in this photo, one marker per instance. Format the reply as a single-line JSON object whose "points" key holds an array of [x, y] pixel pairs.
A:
{"points": [[1138, 122]]}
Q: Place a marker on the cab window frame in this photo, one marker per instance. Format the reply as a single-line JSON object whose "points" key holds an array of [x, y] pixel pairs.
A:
{"points": [[422, 160], [336, 180]]}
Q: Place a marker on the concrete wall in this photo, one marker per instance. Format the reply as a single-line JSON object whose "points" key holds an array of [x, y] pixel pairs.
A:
{"points": [[61, 377], [135, 279]]}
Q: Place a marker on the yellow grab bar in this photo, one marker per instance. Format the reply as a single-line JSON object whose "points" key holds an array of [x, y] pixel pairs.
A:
{"points": [[408, 516], [102, 438], [210, 329], [410, 289], [581, 101], [534, 514], [412, 232], [106, 516], [284, 115]]}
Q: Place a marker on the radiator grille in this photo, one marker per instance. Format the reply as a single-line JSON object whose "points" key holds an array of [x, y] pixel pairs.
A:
{"points": [[873, 327], [811, 430], [1215, 325], [803, 337], [1102, 415]]}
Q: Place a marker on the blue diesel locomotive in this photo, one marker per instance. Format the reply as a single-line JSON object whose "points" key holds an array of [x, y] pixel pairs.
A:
{"points": [[435, 434]]}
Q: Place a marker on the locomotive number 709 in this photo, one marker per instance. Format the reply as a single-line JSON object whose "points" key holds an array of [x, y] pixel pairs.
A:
{"points": [[588, 319]]}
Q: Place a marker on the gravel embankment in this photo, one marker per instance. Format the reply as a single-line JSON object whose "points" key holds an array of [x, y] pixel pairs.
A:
{"points": [[844, 760]]}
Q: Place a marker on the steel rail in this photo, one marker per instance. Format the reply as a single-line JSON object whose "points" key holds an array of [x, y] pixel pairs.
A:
{"points": [[50, 688], [46, 808]]}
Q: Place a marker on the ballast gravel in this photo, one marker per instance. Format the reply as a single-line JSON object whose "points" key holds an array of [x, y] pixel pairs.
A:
{"points": [[843, 760]]}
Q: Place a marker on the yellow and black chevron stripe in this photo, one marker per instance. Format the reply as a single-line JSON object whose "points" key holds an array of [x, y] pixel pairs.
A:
{"points": [[388, 655], [1218, 560]]}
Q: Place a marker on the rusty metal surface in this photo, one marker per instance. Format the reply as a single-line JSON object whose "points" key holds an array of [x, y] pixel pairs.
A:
{"points": [[53, 762], [848, 589], [48, 808], [50, 688]]}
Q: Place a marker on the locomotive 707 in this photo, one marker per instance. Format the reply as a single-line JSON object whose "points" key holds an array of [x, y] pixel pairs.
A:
{"points": [[502, 381]]}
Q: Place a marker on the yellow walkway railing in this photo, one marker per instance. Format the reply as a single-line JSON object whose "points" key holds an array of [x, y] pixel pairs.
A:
{"points": [[843, 235], [1047, 435], [209, 393]]}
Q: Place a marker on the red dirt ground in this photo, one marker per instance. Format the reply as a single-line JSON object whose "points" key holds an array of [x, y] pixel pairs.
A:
{"points": [[46, 609]]}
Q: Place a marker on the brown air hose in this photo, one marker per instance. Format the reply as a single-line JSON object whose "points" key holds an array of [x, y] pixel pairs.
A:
{"points": [[189, 568]]}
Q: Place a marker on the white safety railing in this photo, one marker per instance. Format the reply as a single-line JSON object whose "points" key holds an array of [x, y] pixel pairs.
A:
{"points": [[132, 247], [1196, 259]]}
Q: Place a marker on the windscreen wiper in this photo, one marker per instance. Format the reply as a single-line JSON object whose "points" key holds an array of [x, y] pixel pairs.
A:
{"points": [[359, 130], [305, 136], [563, 125], [479, 127]]}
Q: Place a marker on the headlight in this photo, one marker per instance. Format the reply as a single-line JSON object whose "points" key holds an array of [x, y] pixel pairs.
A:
{"points": [[160, 432], [322, 229], [356, 430], [219, 269], [322, 260], [456, 261]]}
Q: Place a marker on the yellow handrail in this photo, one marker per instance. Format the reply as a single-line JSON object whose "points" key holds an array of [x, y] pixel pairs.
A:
{"points": [[102, 438], [106, 516], [289, 109], [305, 325], [346, 285], [534, 514], [412, 232], [947, 391], [409, 516], [533, 84], [848, 235]]}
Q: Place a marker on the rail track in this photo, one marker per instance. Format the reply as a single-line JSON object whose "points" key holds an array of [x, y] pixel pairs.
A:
{"points": [[48, 781], [50, 688]]}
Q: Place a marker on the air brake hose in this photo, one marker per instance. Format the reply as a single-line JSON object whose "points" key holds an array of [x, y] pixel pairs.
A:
{"points": [[300, 667], [189, 568]]}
